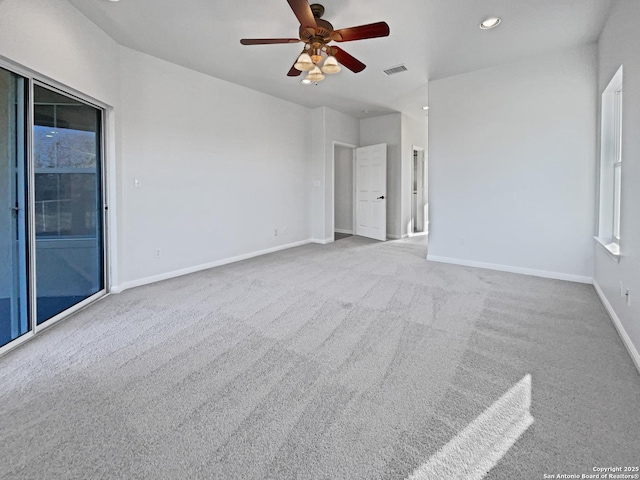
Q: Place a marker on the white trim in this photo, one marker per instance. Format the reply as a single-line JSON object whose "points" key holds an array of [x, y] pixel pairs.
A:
{"points": [[631, 348], [205, 266], [612, 248], [335, 144], [343, 230], [392, 236], [69, 311], [14, 343], [506, 268], [110, 196], [415, 148], [321, 241], [51, 83]]}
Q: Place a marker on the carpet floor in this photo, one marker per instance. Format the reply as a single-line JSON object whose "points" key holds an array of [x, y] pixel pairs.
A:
{"points": [[353, 360]]}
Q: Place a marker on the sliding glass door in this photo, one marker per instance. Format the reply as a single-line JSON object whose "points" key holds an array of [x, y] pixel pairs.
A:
{"points": [[13, 239], [52, 258], [68, 202]]}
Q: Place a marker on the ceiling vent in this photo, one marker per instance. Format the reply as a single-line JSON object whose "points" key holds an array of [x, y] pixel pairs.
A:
{"points": [[394, 70]]}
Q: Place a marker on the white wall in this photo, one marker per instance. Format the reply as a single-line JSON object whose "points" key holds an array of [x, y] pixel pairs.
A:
{"points": [[512, 165], [328, 127], [619, 45], [218, 174], [56, 42], [401, 133], [388, 129], [220, 168], [343, 193], [54, 39]]}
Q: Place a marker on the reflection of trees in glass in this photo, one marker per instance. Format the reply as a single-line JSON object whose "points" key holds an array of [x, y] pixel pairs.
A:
{"points": [[64, 148], [66, 182]]}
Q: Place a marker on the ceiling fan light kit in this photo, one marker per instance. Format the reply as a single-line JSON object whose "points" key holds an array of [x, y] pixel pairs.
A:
{"points": [[316, 33], [315, 75], [330, 65], [304, 62]]}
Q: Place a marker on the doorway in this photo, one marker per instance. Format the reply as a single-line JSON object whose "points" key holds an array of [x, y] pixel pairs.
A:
{"points": [[418, 193], [343, 189]]}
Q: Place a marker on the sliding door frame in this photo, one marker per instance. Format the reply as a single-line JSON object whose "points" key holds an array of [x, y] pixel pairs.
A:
{"points": [[103, 207], [32, 79]]}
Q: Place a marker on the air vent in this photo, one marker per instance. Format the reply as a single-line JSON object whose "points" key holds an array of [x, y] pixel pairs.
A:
{"points": [[394, 70]]}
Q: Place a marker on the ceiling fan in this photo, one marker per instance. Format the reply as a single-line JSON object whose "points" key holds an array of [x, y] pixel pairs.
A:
{"points": [[316, 34]]}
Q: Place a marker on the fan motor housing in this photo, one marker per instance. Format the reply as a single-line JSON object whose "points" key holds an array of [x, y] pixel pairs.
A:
{"points": [[324, 30]]}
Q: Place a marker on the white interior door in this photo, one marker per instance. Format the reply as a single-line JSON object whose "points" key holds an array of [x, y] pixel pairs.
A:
{"points": [[371, 191]]}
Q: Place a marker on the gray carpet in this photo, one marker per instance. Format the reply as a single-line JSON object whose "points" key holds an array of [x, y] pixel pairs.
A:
{"points": [[340, 236], [354, 360]]}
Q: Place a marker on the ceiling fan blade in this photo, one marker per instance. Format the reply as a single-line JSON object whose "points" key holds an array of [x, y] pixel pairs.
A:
{"points": [[302, 10], [347, 60], [372, 30], [294, 72], [267, 41]]}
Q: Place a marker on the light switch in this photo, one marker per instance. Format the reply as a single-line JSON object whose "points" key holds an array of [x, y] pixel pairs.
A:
{"points": [[316, 183], [136, 183]]}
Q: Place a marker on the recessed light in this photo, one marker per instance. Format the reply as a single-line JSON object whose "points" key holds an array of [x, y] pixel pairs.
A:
{"points": [[425, 108], [305, 81], [491, 22], [114, 0]]}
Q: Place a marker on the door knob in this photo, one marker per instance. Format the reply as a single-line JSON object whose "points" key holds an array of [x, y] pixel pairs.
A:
{"points": [[380, 198]]}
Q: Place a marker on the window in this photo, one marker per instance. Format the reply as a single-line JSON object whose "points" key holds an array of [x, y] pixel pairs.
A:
{"points": [[611, 167], [617, 162]]}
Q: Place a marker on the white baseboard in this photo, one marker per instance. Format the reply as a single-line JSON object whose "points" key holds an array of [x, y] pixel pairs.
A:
{"points": [[343, 230], [392, 236], [631, 348], [204, 266], [506, 268], [321, 241]]}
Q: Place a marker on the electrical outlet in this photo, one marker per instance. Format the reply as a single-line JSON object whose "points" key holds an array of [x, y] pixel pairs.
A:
{"points": [[461, 240], [136, 183], [628, 295], [156, 253], [284, 230], [275, 232], [622, 291]]}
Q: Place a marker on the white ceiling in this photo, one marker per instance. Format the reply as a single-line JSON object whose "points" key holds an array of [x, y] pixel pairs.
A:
{"points": [[433, 38]]}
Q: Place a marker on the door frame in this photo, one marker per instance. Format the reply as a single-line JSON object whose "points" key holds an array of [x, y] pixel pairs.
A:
{"points": [[333, 186], [107, 165], [103, 186], [422, 152]]}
